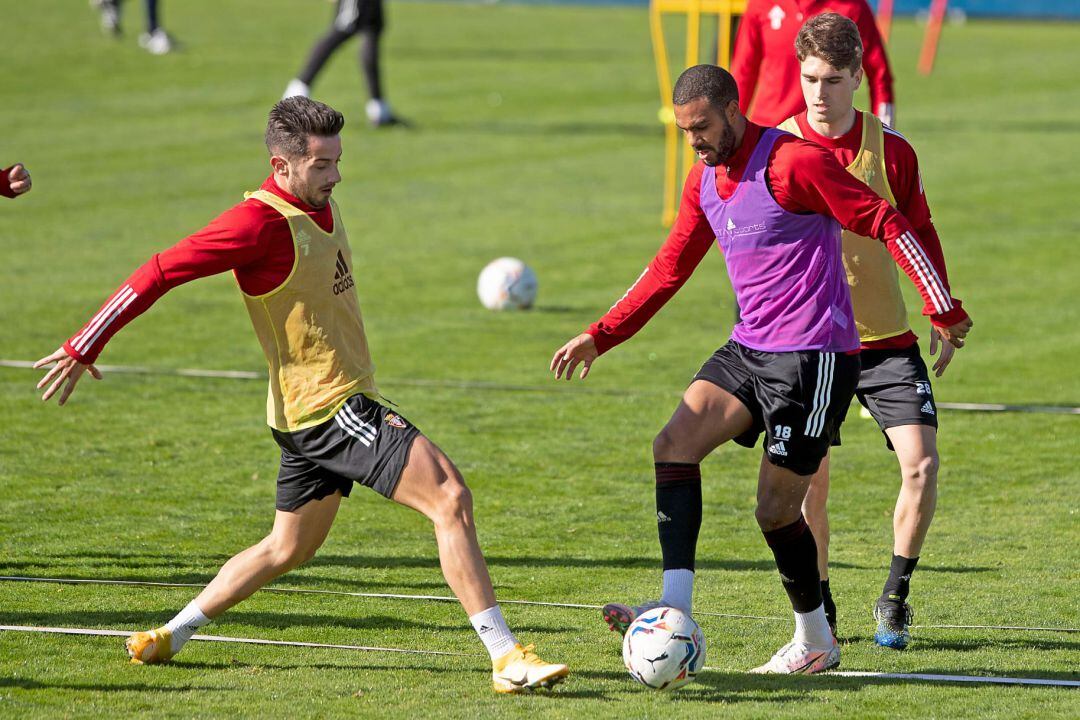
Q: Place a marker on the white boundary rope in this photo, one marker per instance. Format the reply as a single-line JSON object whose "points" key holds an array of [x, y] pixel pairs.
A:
{"points": [[307, 591], [447, 598], [222, 638], [481, 385]]}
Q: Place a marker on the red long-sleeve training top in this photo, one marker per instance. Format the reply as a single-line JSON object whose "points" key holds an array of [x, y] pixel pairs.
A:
{"points": [[766, 69], [251, 239], [803, 178]]}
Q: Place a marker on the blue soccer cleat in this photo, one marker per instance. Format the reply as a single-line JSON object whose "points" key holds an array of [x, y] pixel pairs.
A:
{"points": [[893, 616]]}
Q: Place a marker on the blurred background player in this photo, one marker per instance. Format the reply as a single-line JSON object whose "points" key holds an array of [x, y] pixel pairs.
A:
{"points": [[768, 74], [291, 258], [775, 204], [14, 181], [351, 17], [155, 40], [894, 384]]}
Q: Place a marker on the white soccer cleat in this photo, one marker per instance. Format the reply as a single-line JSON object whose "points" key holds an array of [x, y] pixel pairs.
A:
{"points": [[522, 670], [156, 43], [296, 88], [798, 658]]}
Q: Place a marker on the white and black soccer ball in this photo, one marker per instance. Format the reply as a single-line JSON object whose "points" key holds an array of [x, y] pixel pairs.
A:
{"points": [[664, 649], [507, 284]]}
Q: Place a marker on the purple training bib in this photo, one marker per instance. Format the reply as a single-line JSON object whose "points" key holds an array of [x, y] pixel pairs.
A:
{"points": [[786, 269]]}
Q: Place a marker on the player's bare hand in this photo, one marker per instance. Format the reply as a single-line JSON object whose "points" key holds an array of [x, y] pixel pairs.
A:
{"points": [[19, 179], [947, 351], [65, 372], [955, 334], [579, 351]]}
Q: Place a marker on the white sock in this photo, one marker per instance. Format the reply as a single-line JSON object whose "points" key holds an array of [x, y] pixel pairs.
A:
{"points": [[296, 87], [493, 631], [812, 628], [678, 589], [184, 625]]}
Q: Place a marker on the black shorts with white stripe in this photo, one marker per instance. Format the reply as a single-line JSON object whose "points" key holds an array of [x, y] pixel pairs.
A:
{"points": [[798, 399], [894, 385], [352, 16], [365, 442]]}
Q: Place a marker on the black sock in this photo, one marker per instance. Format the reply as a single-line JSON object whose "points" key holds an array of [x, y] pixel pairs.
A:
{"points": [[896, 587], [678, 512], [830, 606], [795, 551]]}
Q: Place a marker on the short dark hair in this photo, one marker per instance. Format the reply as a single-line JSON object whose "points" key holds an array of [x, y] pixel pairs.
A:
{"points": [[713, 83], [293, 119], [833, 38]]}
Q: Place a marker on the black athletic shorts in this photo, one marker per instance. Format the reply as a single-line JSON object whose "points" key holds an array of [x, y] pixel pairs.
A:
{"points": [[365, 442], [799, 399], [352, 16], [894, 386]]}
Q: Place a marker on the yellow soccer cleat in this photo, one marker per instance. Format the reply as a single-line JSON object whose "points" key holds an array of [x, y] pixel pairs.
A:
{"points": [[521, 670], [150, 647]]}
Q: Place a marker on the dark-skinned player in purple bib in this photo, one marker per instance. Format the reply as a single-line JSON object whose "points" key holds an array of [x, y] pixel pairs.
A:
{"points": [[775, 205]]}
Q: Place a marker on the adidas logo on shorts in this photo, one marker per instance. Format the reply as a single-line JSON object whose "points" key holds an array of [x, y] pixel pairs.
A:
{"points": [[778, 448], [928, 408]]}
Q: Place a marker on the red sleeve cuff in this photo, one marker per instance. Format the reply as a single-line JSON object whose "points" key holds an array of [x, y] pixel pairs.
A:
{"points": [[604, 342], [84, 359], [5, 184], [947, 319]]}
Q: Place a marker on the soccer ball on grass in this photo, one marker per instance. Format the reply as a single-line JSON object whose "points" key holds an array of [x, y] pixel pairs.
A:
{"points": [[664, 649], [507, 284]]}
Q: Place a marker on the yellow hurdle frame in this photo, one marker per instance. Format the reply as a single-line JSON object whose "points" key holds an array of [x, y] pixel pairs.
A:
{"points": [[725, 10]]}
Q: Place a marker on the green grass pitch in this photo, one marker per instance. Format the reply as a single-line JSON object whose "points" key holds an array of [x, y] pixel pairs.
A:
{"points": [[535, 137]]}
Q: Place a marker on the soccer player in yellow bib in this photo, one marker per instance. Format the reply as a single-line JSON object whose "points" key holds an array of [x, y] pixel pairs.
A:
{"points": [[894, 384], [290, 254]]}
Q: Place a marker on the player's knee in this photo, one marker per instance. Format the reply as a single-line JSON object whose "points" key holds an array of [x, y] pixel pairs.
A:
{"points": [[922, 473], [284, 556], [454, 503], [772, 514], [664, 445]]}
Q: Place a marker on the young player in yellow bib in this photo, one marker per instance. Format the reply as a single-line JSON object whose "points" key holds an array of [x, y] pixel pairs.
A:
{"points": [[894, 384], [290, 254]]}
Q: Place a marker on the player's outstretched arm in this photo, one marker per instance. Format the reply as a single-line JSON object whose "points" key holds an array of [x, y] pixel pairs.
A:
{"points": [[581, 350], [15, 181], [65, 372]]}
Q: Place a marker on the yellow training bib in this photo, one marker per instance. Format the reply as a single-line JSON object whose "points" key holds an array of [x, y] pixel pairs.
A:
{"points": [[310, 326]]}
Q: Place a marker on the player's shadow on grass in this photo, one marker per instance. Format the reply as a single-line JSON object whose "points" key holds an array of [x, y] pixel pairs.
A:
{"points": [[1013, 643], [28, 684]]}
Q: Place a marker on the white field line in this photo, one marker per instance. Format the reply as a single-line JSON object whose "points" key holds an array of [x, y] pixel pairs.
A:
{"points": [[959, 678], [482, 385], [933, 677], [447, 598], [222, 638]]}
